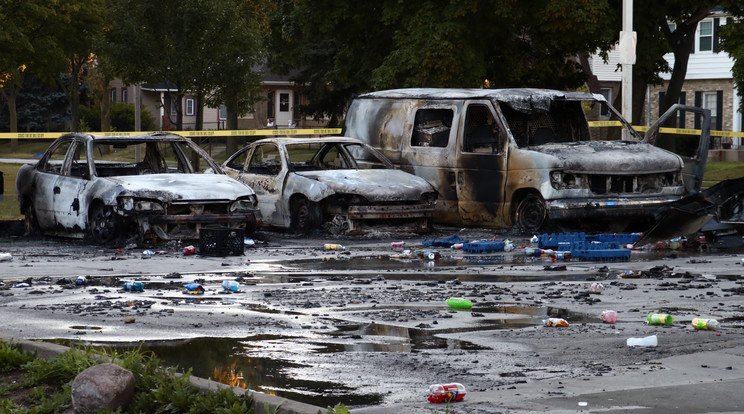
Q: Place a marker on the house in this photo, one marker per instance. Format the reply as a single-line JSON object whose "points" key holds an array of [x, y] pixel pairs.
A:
{"points": [[280, 109], [709, 83]]}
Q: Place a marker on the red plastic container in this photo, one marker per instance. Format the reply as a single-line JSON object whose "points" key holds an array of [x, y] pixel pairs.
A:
{"points": [[439, 393]]}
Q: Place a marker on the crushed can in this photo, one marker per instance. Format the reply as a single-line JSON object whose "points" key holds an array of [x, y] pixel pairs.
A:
{"points": [[441, 393], [189, 250]]}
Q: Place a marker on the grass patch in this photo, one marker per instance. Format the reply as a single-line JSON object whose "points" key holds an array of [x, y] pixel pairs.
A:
{"points": [[717, 171], [9, 209], [37, 385]]}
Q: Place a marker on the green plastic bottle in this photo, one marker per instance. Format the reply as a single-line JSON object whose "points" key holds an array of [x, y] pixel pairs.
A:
{"points": [[660, 319], [459, 303]]}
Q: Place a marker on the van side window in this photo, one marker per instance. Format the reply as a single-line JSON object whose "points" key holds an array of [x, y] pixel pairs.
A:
{"points": [[432, 127], [482, 133]]}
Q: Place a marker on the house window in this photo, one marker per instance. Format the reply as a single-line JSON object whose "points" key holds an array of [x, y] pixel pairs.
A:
{"points": [[710, 101], [174, 110], [124, 95], [190, 106], [222, 112], [113, 95], [705, 39], [672, 27]]}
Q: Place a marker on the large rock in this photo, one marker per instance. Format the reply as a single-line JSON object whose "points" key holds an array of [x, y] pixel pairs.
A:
{"points": [[100, 387]]}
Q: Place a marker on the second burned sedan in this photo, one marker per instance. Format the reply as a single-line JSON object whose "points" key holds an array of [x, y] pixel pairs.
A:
{"points": [[303, 183]]}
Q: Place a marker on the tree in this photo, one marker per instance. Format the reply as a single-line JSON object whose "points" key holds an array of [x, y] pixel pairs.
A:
{"points": [[732, 41], [28, 45], [352, 47], [180, 43], [76, 33]]}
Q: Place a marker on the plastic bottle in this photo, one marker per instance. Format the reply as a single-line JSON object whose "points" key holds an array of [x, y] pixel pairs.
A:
{"points": [[398, 246], [459, 303], [231, 285], [440, 393], [532, 251], [660, 319], [709, 324], [457, 246], [148, 253], [596, 288], [6, 257], [608, 316], [557, 322], [80, 280], [194, 288], [648, 341], [189, 250], [134, 286], [333, 246]]}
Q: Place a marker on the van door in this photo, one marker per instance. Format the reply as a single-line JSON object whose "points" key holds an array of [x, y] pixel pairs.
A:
{"points": [[430, 152], [481, 165], [669, 133]]}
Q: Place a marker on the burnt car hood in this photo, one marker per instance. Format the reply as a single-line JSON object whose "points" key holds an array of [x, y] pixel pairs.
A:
{"points": [[169, 187], [611, 157], [374, 185]]}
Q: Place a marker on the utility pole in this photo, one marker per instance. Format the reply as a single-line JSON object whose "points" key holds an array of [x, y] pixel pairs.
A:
{"points": [[627, 60]]}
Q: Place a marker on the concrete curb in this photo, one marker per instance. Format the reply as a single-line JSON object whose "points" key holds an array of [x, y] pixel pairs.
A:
{"points": [[276, 405]]}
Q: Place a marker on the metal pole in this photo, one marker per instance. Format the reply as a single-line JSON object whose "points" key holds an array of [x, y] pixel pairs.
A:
{"points": [[627, 59], [137, 120]]}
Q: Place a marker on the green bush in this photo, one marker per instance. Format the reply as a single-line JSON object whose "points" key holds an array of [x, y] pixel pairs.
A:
{"points": [[122, 118]]}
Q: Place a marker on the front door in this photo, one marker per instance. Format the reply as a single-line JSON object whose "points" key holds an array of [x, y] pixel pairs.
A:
{"points": [[691, 147], [283, 108]]}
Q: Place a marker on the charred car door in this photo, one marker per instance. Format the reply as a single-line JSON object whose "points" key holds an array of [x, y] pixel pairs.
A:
{"points": [[69, 202], [481, 165], [265, 171], [44, 189], [691, 147]]}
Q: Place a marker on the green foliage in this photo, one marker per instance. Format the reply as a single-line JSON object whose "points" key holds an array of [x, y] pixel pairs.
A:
{"points": [[62, 368], [732, 42], [122, 118], [12, 358], [337, 409], [353, 47]]}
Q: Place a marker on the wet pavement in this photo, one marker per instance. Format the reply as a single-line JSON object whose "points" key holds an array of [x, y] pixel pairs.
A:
{"points": [[371, 329]]}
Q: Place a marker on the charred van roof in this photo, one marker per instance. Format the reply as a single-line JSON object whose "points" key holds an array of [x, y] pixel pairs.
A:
{"points": [[517, 98]]}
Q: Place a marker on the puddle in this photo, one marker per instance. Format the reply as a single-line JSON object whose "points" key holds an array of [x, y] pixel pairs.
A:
{"points": [[275, 364], [86, 328]]}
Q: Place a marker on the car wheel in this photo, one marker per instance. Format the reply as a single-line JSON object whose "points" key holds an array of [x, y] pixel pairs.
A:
{"points": [[30, 223], [531, 214], [305, 216], [103, 224]]}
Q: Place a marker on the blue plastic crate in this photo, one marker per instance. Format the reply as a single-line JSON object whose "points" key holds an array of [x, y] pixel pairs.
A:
{"points": [[483, 246]]}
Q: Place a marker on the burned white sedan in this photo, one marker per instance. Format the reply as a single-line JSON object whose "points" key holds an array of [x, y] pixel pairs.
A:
{"points": [[155, 186], [338, 182]]}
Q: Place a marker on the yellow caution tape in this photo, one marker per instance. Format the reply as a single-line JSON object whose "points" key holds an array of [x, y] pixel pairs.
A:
{"points": [[679, 131], [190, 134]]}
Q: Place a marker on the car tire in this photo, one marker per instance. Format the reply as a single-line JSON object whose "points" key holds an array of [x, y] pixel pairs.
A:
{"points": [[30, 222], [306, 216], [103, 224], [530, 214]]}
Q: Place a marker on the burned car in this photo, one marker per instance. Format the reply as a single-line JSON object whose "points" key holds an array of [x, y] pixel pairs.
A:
{"points": [[303, 183], [528, 157], [156, 186]]}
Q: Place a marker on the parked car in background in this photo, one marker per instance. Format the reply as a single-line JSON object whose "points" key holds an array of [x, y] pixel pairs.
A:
{"points": [[303, 183], [157, 186], [528, 157]]}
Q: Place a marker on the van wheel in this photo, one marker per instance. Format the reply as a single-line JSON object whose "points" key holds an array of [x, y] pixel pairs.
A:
{"points": [[531, 214], [305, 216]]}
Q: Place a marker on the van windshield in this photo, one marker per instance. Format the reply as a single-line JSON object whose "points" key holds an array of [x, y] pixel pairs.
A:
{"points": [[563, 122]]}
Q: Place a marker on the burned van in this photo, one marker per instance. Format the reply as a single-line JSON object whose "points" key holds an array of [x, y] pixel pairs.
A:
{"points": [[527, 157]]}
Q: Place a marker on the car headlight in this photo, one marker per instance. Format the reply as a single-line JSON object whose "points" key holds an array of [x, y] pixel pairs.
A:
{"points": [[126, 203], [429, 198], [147, 205], [243, 205]]}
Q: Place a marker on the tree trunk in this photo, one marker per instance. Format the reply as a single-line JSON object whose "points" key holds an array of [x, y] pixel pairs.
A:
{"points": [[198, 102], [105, 108], [10, 93], [232, 125]]}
